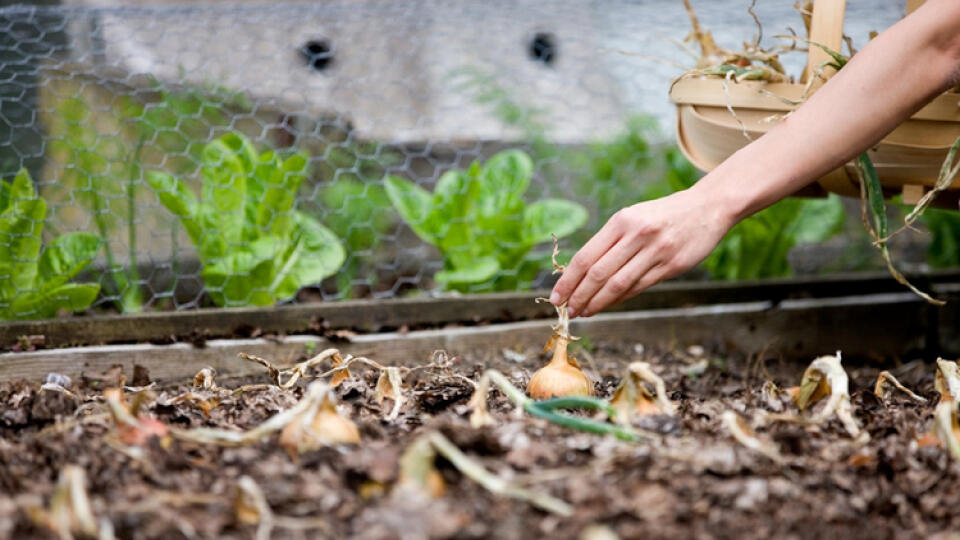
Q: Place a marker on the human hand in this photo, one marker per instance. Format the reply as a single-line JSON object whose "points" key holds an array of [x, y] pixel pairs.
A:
{"points": [[640, 246]]}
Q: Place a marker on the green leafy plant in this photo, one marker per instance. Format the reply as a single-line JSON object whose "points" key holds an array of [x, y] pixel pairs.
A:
{"points": [[757, 247], [105, 146], [479, 221], [358, 209], [256, 249], [607, 172], [101, 174], [944, 248], [34, 285]]}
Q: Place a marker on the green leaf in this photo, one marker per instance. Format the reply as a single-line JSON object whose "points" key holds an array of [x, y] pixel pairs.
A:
{"points": [[281, 184], [316, 255], [480, 270], [360, 213], [453, 194], [21, 227], [877, 206], [242, 278], [8, 289], [228, 164], [944, 248], [839, 60], [452, 219], [46, 303], [179, 200], [66, 256], [414, 204], [504, 179], [552, 217], [232, 151], [817, 220], [20, 189]]}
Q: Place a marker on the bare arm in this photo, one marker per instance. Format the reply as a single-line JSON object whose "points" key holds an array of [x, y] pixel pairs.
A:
{"points": [[884, 84]]}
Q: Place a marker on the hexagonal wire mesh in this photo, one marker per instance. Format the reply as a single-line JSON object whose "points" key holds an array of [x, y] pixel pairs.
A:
{"points": [[234, 154]]}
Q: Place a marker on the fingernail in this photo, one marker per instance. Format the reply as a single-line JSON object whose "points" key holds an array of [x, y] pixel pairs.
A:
{"points": [[554, 298], [571, 312]]}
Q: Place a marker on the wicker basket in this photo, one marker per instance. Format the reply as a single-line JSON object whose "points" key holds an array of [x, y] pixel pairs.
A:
{"points": [[907, 160]]}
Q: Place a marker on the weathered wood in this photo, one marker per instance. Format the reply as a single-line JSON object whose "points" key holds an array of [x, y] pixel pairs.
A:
{"points": [[875, 326], [380, 315], [948, 320]]}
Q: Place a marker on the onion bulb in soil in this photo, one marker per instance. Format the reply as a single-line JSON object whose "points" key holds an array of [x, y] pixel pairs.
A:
{"points": [[562, 377], [319, 426]]}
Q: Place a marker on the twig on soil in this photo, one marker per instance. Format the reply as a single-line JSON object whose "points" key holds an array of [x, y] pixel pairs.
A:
{"points": [[293, 374], [389, 384], [885, 380], [70, 511], [303, 414], [389, 387], [744, 435], [417, 468], [65, 425], [251, 508], [134, 429], [166, 498], [435, 441]]}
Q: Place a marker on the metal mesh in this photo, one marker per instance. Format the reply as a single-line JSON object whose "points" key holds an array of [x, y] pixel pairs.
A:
{"points": [[94, 99]]}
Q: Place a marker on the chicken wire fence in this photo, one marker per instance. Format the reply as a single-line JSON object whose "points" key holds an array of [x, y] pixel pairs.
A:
{"points": [[178, 156]]}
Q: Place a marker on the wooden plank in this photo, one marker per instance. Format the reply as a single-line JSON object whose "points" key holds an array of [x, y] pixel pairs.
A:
{"points": [[388, 314], [948, 320], [826, 27], [912, 193], [913, 5], [770, 97], [880, 326]]}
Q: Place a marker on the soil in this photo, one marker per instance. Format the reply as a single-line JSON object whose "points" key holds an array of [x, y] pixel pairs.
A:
{"points": [[696, 481]]}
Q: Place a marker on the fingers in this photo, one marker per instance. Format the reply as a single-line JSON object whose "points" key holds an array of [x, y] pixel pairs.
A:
{"points": [[599, 275], [590, 253], [621, 283], [653, 276]]}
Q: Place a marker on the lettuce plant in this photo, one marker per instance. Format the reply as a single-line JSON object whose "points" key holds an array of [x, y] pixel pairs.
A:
{"points": [[256, 249], [478, 220], [34, 285], [944, 248], [757, 247]]}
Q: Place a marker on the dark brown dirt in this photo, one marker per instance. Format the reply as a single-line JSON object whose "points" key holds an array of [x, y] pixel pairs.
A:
{"points": [[698, 482]]}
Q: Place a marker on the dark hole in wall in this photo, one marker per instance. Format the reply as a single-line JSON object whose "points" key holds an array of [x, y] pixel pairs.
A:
{"points": [[317, 53], [543, 48]]}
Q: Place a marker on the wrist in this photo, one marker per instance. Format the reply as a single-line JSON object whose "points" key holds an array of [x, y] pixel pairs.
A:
{"points": [[722, 199]]}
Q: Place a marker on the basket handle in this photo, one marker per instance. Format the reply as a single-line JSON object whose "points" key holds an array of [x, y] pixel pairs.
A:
{"points": [[826, 28]]}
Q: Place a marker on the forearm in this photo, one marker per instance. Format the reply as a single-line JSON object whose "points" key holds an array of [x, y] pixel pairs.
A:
{"points": [[883, 85], [887, 81]]}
